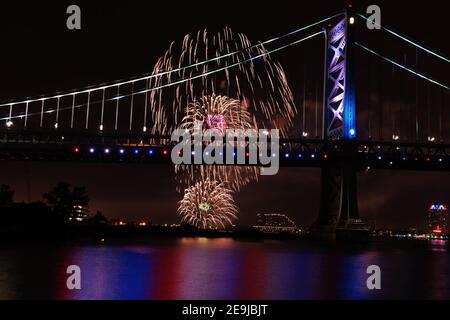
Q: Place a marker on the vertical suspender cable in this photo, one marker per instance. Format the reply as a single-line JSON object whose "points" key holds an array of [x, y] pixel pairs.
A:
{"points": [[73, 111], [117, 108], [103, 109], [131, 108], [87, 110], [146, 104], [26, 114], [42, 113]]}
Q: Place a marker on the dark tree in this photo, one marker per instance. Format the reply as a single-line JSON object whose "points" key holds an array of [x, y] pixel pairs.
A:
{"points": [[98, 218], [63, 200], [6, 195]]}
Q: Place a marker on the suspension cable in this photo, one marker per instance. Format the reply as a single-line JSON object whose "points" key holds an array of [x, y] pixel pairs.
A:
{"points": [[417, 45], [166, 72], [403, 67]]}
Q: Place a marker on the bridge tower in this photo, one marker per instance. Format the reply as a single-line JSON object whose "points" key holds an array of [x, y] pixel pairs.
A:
{"points": [[338, 214]]}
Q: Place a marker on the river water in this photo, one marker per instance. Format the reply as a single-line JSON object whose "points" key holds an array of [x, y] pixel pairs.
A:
{"points": [[224, 268]]}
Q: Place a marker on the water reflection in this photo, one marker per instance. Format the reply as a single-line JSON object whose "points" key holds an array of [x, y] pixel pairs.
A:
{"points": [[200, 268]]}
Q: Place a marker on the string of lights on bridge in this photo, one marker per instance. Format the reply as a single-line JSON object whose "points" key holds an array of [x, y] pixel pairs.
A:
{"points": [[375, 159]]}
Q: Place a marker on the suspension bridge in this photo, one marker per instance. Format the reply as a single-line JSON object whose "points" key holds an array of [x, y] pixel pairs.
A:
{"points": [[112, 122]]}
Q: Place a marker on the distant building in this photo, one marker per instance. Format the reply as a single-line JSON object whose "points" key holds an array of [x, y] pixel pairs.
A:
{"points": [[78, 213], [275, 223], [437, 220]]}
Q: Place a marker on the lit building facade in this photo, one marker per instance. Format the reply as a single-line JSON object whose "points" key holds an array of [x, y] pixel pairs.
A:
{"points": [[437, 220], [78, 213]]}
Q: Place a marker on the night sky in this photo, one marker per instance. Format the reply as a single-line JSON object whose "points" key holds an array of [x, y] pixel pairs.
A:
{"points": [[39, 55]]}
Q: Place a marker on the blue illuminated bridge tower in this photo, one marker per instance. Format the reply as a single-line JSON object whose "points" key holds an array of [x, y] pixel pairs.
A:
{"points": [[338, 214]]}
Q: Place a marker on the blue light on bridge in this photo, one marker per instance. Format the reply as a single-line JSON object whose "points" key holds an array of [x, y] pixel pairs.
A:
{"points": [[286, 155], [121, 151], [136, 151], [300, 156], [352, 132], [150, 152], [107, 150], [313, 156], [91, 150]]}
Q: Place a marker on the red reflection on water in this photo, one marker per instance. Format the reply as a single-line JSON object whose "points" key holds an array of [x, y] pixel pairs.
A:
{"points": [[168, 264], [253, 275]]}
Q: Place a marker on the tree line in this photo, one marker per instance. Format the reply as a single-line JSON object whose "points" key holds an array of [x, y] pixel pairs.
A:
{"points": [[58, 207]]}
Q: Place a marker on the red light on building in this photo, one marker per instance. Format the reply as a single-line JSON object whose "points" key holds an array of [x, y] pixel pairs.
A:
{"points": [[437, 219]]}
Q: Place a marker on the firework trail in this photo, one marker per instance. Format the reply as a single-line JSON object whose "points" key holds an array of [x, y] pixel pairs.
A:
{"points": [[216, 113], [260, 84], [208, 204]]}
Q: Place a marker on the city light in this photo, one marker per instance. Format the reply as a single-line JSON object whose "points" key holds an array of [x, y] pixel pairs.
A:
{"points": [[395, 137], [9, 123], [304, 134], [431, 139]]}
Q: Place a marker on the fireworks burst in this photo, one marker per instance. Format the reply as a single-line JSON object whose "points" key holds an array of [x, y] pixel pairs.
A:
{"points": [[208, 204], [218, 113]]}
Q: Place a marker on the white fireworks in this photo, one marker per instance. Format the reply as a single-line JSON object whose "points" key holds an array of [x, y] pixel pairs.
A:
{"points": [[208, 204]]}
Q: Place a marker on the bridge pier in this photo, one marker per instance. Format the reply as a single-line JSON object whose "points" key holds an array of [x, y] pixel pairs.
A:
{"points": [[338, 214]]}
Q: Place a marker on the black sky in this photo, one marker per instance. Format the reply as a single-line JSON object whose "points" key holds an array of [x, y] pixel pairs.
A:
{"points": [[120, 40]]}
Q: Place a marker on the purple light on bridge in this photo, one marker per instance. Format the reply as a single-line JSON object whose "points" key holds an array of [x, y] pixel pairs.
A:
{"points": [[91, 150], [121, 151], [107, 150]]}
